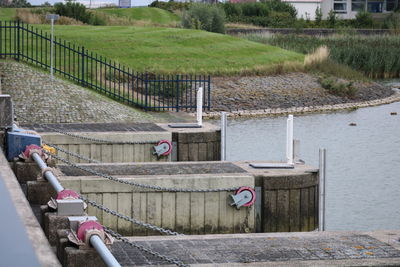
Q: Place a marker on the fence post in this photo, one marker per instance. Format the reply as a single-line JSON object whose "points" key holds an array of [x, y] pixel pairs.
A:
{"points": [[209, 93], [146, 82], [18, 41], [83, 66], [177, 93]]}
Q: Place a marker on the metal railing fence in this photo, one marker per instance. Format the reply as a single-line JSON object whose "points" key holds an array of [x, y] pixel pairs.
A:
{"points": [[146, 90]]}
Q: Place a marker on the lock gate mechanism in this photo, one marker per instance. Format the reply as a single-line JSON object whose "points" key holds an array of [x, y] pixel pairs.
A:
{"points": [[244, 196], [163, 148]]}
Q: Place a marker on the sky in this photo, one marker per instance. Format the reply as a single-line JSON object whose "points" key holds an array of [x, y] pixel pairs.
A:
{"points": [[95, 3]]}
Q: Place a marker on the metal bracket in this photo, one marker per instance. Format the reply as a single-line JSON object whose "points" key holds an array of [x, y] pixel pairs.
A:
{"points": [[245, 196], [163, 148]]}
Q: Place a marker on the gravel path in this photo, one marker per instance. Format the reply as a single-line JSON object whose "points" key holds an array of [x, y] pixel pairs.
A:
{"points": [[41, 100], [284, 91]]}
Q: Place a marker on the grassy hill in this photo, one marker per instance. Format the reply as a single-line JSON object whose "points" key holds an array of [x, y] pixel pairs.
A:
{"points": [[7, 14], [151, 14], [173, 50]]}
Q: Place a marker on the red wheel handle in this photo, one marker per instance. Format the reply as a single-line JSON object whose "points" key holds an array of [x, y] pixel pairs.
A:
{"points": [[253, 195], [67, 193], [169, 145], [86, 226]]}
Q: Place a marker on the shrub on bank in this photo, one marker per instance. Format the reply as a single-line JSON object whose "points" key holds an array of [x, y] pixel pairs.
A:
{"points": [[205, 17]]}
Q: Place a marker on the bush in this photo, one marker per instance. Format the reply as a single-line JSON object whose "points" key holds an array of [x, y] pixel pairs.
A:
{"points": [[332, 19], [206, 17], [171, 5], [232, 10], [364, 20], [339, 88], [281, 20], [318, 16], [79, 12], [392, 22]]}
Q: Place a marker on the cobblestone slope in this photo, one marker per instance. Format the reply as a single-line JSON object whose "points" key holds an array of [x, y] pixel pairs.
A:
{"points": [[41, 100]]}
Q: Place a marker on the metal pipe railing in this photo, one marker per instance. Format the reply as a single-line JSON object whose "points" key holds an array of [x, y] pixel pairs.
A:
{"points": [[103, 251], [94, 240], [48, 174]]}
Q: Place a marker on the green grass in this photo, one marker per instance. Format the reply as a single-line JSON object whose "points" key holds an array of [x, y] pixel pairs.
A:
{"points": [[7, 14], [172, 50], [154, 15]]}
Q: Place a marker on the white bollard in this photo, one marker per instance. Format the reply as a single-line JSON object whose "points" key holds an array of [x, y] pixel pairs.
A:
{"points": [[322, 189], [289, 140], [224, 122], [200, 107]]}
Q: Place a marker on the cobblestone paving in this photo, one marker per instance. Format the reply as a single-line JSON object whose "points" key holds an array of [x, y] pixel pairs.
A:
{"points": [[41, 100], [246, 250], [97, 127]]}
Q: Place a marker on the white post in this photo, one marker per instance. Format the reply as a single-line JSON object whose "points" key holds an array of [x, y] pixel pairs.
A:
{"points": [[322, 187], [200, 107], [289, 140], [223, 135], [51, 49]]}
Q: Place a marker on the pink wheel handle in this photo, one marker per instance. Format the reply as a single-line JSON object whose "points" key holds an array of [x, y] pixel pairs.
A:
{"points": [[253, 195], [67, 194], [169, 145], [87, 226]]}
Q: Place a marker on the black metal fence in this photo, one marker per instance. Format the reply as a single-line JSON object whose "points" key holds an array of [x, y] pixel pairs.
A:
{"points": [[147, 90]]}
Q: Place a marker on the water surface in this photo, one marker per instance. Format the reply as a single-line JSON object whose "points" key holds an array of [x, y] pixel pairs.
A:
{"points": [[363, 161]]}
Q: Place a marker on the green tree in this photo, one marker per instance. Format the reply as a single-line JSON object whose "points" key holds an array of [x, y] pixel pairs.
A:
{"points": [[318, 16], [207, 17], [332, 19]]}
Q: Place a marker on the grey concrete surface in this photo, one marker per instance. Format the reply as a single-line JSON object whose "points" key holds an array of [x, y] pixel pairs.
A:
{"points": [[271, 249]]}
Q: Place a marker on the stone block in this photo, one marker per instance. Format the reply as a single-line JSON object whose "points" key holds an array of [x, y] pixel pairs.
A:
{"points": [[39, 192], [75, 257], [53, 223], [6, 112], [26, 171]]}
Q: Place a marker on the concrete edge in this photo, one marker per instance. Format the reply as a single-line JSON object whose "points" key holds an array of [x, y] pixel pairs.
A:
{"points": [[35, 233], [304, 110]]}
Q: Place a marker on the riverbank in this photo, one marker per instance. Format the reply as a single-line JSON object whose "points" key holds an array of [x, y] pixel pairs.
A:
{"points": [[293, 93]]}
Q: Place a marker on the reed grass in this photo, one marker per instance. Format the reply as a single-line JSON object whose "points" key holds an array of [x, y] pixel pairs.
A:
{"points": [[376, 56]]}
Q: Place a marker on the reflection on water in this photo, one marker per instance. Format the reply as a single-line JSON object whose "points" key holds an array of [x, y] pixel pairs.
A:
{"points": [[363, 161]]}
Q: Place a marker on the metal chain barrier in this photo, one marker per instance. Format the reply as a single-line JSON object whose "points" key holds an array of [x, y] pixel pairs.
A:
{"points": [[129, 219], [142, 248], [153, 187], [81, 157], [96, 140]]}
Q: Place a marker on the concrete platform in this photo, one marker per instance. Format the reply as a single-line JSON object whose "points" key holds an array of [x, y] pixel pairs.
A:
{"points": [[380, 248]]}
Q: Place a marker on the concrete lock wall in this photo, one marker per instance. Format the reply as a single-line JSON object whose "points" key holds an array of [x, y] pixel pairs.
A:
{"points": [[289, 200], [189, 213], [111, 152]]}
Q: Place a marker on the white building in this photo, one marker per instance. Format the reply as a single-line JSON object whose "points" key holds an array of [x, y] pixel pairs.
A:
{"points": [[345, 9]]}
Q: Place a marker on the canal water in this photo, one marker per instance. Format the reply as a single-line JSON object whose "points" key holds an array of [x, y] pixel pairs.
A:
{"points": [[363, 161]]}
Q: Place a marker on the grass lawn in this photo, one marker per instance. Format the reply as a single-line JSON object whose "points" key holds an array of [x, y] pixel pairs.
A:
{"points": [[152, 14], [172, 50], [7, 14]]}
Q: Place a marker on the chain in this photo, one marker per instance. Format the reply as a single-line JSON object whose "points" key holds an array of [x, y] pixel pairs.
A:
{"points": [[142, 248], [129, 219], [72, 153], [153, 187], [96, 140]]}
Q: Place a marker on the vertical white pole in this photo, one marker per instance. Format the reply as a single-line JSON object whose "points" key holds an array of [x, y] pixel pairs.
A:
{"points": [[289, 140], [322, 187], [51, 49], [223, 135], [200, 106]]}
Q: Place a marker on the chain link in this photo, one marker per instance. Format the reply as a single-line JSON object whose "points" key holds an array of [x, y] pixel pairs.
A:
{"points": [[81, 157], [142, 248], [153, 187], [129, 219], [96, 140]]}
